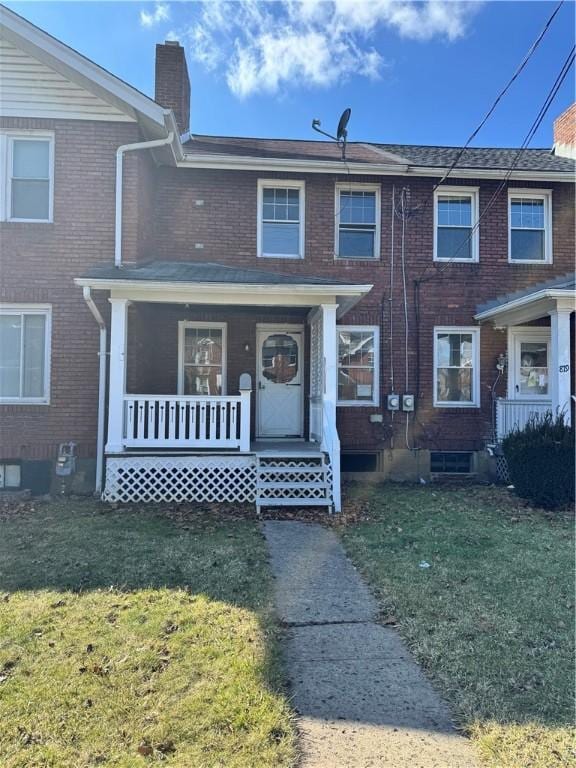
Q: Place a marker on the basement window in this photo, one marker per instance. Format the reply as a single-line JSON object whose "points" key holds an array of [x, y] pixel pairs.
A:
{"points": [[358, 462], [451, 462], [10, 476]]}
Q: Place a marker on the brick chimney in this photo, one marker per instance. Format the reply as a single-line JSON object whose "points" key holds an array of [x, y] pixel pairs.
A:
{"points": [[172, 83], [565, 133]]}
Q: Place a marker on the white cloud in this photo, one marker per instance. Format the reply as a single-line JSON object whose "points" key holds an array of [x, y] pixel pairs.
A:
{"points": [[160, 13], [271, 46]]}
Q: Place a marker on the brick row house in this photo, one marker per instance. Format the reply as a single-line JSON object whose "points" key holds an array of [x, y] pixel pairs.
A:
{"points": [[210, 318]]}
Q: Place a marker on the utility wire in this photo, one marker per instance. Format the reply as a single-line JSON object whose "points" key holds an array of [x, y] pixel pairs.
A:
{"points": [[528, 138], [519, 69]]}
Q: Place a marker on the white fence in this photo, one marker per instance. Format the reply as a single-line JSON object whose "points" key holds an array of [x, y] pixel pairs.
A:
{"points": [[166, 421], [515, 414]]}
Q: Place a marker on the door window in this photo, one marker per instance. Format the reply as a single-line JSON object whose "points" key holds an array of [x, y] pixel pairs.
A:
{"points": [[533, 364], [280, 358]]}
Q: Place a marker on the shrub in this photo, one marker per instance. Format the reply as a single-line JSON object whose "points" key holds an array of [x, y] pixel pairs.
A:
{"points": [[540, 461]]}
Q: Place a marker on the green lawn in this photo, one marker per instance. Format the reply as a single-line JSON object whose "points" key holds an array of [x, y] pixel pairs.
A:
{"points": [[128, 639], [491, 619]]}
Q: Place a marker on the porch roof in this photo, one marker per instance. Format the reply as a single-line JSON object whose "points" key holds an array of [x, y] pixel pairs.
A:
{"points": [[213, 283], [529, 303]]}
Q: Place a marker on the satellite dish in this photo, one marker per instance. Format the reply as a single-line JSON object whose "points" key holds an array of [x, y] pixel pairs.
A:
{"points": [[341, 132]]}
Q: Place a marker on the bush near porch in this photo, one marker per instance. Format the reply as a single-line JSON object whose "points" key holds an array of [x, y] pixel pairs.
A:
{"points": [[129, 639], [491, 620]]}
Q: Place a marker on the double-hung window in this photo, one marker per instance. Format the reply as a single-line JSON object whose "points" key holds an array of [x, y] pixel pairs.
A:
{"points": [[27, 189], [281, 219], [358, 348], [24, 354], [457, 367], [357, 221], [530, 235], [202, 356], [456, 224]]}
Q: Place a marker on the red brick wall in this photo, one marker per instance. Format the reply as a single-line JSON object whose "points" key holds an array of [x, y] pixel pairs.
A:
{"points": [[37, 265], [565, 127]]}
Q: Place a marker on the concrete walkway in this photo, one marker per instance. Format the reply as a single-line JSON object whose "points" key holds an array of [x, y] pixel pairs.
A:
{"points": [[362, 700]]}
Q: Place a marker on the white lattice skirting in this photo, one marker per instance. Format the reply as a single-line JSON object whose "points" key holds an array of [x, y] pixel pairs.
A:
{"points": [[180, 479]]}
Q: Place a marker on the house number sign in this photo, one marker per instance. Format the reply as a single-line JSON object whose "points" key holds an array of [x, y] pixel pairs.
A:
{"points": [[564, 368]]}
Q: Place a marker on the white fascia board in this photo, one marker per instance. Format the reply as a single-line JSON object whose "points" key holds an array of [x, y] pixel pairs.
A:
{"points": [[231, 163], [77, 67], [549, 293]]}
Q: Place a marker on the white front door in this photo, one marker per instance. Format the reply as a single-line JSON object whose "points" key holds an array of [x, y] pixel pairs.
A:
{"points": [[280, 382], [528, 375]]}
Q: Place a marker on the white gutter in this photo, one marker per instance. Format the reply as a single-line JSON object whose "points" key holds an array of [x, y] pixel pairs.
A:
{"points": [[101, 388], [119, 172]]}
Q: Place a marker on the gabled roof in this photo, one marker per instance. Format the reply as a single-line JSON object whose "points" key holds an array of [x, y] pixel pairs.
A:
{"points": [[153, 118]]}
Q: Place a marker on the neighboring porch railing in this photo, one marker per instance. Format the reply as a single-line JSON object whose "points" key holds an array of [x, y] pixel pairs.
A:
{"points": [[331, 444], [166, 421], [515, 414]]}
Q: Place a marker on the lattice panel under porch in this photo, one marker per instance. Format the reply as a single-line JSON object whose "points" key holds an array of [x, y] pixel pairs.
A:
{"points": [[180, 479]]}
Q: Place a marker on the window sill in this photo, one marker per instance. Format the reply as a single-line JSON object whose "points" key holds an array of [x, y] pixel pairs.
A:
{"points": [[530, 263], [282, 256], [455, 261], [24, 402], [28, 221], [356, 404], [457, 407], [355, 259]]}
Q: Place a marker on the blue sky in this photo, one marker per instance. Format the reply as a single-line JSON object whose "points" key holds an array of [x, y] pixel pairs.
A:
{"points": [[411, 72]]}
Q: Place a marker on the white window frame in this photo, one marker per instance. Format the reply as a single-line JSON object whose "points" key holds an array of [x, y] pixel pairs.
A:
{"points": [[532, 194], [182, 326], [33, 309], [7, 139], [281, 184], [475, 331], [357, 187], [473, 194], [375, 402], [529, 333]]}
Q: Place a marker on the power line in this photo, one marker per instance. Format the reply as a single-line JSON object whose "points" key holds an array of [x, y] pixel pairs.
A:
{"points": [[519, 69]]}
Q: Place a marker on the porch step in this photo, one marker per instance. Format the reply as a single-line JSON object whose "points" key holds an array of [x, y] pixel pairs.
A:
{"points": [[294, 479]]}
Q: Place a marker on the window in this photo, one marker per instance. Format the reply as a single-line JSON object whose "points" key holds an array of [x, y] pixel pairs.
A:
{"points": [[529, 361], [451, 462], [457, 367], [456, 219], [529, 214], [357, 221], [24, 354], [358, 365], [202, 356], [29, 162], [281, 219], [10, 475]]}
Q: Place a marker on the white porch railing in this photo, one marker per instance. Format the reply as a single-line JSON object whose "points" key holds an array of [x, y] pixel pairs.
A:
{"points": [[331, 444], [166, 421], [515, 414]]}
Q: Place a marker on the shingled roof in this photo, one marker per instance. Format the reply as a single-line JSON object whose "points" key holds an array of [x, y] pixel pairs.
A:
{"points": [[564, 283], [489, 158]]}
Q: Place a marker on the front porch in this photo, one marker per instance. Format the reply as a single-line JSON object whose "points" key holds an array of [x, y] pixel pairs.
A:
{"points": [[222, 385], [540, 347]]}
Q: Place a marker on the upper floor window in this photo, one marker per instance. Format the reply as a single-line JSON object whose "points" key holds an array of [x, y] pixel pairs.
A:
{"points": [[24, 354], [456, 224], [530, 235], [281, 219], [28, 186], [457, 367], [357, 221], [358, 366]]}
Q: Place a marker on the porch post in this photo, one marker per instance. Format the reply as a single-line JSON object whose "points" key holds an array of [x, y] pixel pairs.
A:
{"points": [[117, 380], [560, 359], [330, 396], [245, 395]]}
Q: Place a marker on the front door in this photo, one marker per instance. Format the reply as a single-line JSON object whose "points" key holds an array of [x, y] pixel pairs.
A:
{"points": [[280, 382], [530, 360]]}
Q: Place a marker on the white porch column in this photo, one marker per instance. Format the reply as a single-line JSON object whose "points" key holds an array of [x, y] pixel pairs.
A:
{"points": [[117, 385], [560, 358], [330, 351]]}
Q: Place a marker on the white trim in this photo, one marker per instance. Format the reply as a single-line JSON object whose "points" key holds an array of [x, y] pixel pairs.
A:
{"points": [[281, 184], [289, 328], [532, 194], [375, 402], [517, 334], [7, 138], [473, 194], [228, 162], [33, 309], [182, 326], [475, 331], [340, 187]]}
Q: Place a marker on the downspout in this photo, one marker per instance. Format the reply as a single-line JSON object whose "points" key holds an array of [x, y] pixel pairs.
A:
{"points": [[119, 172], [101, 388]]}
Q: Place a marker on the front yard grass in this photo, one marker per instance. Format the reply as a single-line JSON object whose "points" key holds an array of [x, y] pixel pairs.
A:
{"points": [[128, 640], [491, 619]]}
